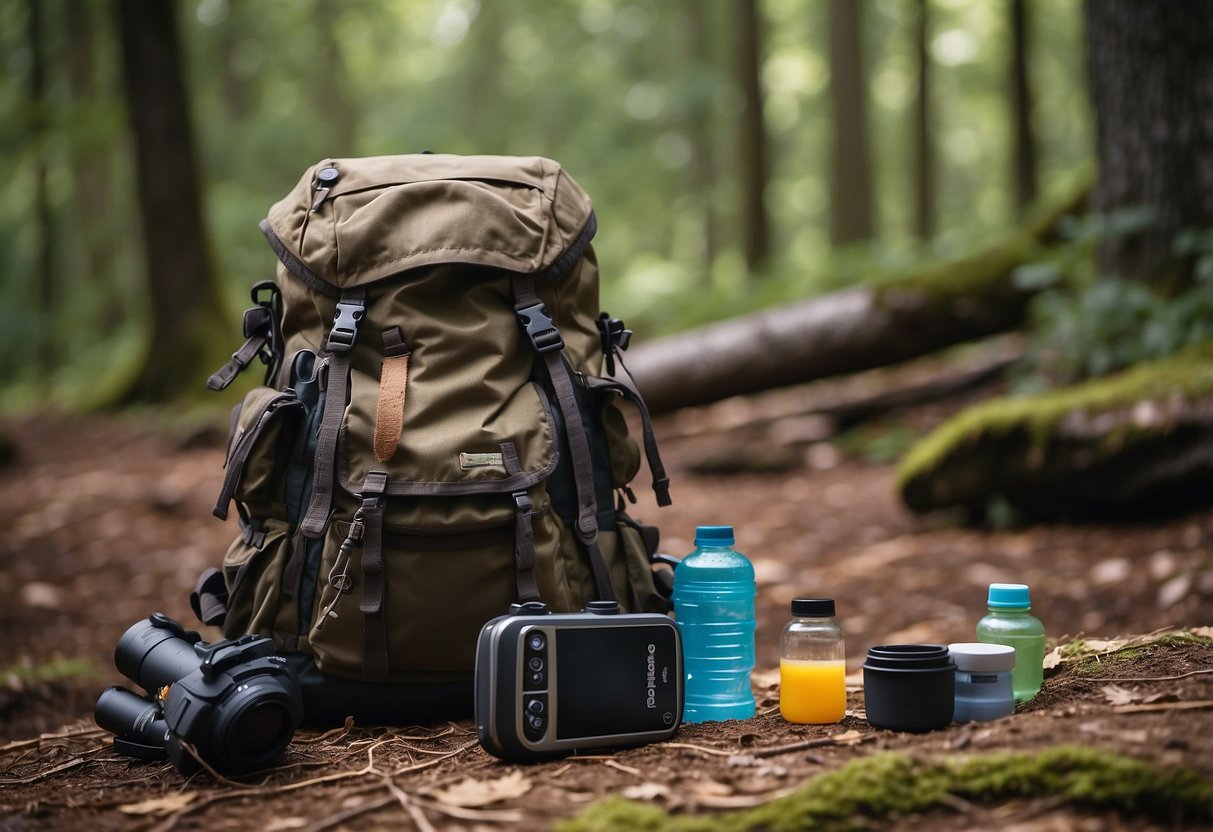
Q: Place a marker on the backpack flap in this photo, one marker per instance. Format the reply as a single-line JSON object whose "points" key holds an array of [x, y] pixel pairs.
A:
{"points": [[352, 222]]}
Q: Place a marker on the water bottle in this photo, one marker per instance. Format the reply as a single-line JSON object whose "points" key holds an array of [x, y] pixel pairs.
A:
{"points": [[812, 664], [1009, 622], [714, 606]]}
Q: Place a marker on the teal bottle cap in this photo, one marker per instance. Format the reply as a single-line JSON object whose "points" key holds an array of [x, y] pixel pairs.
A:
{"points": [[1009, 597], [714, 536]]}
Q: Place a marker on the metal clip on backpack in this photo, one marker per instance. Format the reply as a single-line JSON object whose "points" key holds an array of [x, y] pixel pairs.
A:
{"points": [[435, 438]]}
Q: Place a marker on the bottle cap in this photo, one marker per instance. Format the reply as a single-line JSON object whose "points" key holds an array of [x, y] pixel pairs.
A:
{"points": [[1009, 597], [982, 658], [714, 536], [813, 607]]}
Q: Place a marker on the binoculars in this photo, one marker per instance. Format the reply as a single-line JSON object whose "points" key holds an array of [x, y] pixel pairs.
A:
{"points": [[233, 705]]}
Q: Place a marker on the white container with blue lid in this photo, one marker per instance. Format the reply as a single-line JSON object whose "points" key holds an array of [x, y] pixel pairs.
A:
{"points": [[983, 681]]}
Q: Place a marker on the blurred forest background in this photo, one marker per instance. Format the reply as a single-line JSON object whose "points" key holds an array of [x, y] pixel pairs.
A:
{"points": [[740, 154]]}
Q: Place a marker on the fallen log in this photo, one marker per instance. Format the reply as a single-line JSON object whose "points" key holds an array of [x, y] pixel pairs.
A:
{"points": [[1135, 445], [847, 331]]}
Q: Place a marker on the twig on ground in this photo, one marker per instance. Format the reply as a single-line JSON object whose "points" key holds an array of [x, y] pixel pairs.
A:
{"points": [[1156, 678]]}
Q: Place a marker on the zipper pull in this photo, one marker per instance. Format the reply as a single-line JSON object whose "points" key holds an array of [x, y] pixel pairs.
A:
{"points": [[326, 178]]}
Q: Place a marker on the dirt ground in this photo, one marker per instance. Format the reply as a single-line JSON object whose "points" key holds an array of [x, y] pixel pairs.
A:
{"points": [[106, 520]]}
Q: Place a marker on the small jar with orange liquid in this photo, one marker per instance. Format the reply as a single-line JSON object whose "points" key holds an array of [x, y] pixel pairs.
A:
{"points": [[812, 664]]}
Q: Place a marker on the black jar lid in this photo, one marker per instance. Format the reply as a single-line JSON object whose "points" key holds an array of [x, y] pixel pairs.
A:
{"points": [[813, 607], [909, 657]]}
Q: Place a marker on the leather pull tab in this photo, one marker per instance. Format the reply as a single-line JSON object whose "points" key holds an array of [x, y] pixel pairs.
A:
{"points": [[393, 380]]}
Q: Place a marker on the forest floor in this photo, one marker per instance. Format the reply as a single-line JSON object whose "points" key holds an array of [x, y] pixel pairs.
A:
{"points": [[105, 520]]}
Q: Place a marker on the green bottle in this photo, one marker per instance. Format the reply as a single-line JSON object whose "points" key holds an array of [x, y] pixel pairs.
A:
{"points": [[1009, 622]]}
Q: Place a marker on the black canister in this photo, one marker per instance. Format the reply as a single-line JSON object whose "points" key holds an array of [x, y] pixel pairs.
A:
{"points": [[909, 687]]}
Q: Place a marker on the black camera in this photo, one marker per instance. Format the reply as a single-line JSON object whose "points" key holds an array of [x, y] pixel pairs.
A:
{"points": [[548, 684], [233, 704]]}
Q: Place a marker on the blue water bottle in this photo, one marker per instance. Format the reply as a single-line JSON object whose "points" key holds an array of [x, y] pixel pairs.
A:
{"points": [[714, 607]]}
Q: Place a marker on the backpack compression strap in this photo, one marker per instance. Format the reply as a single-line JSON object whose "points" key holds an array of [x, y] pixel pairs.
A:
{"points": [[340, 345], [263, 338], [545, 339], [374, 620]]}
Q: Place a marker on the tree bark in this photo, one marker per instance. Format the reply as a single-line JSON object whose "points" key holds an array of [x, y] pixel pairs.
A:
{"points": [[183, 297], [1021, 110], [703, 162], [752, 137], [924, 156], [851, 216], [1150, 72], [47, 346]]}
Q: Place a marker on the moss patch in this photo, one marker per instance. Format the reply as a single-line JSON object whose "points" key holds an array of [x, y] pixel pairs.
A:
{"points": [[888, 785]]}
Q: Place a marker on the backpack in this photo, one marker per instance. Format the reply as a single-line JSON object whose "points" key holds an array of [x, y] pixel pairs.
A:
{"points": [[438, 435]]}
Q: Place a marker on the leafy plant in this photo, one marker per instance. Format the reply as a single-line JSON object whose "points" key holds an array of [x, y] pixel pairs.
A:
{"points": [[1085, 324]]}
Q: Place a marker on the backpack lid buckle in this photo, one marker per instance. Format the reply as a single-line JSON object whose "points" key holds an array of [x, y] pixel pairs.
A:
{"points": [[345, 325], [541, 331]]}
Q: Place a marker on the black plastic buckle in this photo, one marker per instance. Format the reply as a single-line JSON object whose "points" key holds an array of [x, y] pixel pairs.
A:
{"points": [[345, 325], [257, 321], [614, 336], [541, 331]]}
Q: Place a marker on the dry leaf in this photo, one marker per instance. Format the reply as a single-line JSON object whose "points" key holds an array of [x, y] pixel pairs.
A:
{"points": [[646, 791], [471, 792], [848, 738], [1053, 659], [709, 788], [1116, 695], [160, 805], [1203, 632], [283, 824]]}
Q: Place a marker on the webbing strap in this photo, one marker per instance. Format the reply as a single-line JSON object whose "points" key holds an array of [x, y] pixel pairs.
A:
{"points": [[350, 311], [263, 337], [393, 379], [524, 547], [374, 584], [548, 345], [225, 375], [661, 482]]}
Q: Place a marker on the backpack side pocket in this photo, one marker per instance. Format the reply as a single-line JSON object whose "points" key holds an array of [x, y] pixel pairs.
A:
{"points": [[264, 422], [252, 570]]}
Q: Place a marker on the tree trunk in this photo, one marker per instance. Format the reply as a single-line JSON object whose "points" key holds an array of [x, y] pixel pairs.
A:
{"points": [[703, 161], [47, 346], [843, 332], [924, 156], [183, 298], [1150, 71], [851, 216], [752, 138], [1021, 110], [91, 198]]}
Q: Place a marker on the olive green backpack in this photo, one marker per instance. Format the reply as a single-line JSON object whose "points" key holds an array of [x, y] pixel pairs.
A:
{"points": [[438, 434]]}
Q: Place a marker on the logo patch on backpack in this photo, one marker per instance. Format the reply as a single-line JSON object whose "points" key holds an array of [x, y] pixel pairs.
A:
{"points": [[467, 461]]}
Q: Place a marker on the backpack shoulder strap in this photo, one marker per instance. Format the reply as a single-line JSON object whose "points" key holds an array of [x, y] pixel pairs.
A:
{"points": [[545, 339], [351, 309]]}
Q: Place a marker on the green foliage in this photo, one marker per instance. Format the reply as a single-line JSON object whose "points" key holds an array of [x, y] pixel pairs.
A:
{"points": [[889, 785], [1086, 325], [619, 91]]}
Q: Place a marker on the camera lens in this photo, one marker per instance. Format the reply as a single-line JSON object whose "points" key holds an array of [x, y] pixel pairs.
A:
{"points": [[255, 731], [537, 642], [535, 664], [260, 730]]}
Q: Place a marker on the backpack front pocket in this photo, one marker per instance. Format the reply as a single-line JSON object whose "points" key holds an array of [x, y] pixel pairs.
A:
{"points": [[439, 586]]}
